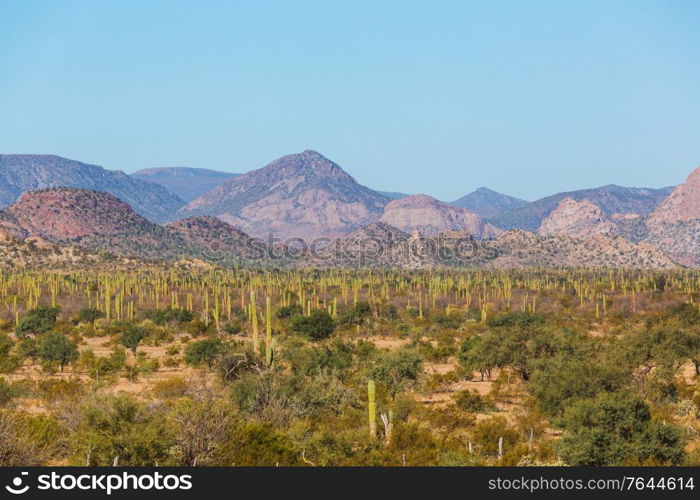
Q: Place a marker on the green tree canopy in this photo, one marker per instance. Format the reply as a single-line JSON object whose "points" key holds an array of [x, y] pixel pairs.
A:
{"points": [[318, 326], [56, 347]]}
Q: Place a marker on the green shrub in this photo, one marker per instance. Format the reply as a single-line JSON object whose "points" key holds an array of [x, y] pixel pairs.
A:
{"points": [[396, 370], [169, 316], [133, 337], [231, 328], [286, 312], [173, 387], [472, 401], [39, 320], [317, 327], [89, 315], [617, 429], [204, 352]]}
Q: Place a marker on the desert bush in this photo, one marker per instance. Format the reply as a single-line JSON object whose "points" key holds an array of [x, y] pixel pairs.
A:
{"points": [[133, 337], [39, 320], [472, 401], [53, 390], [204, 352], [488, 432], [123, 430], [19, 445], [172, 387], [231, 328], [318, 326], [89, 315], [355, 315], [397, 370], [169, 316], [618, 428], [305, 359], [286, 312]]}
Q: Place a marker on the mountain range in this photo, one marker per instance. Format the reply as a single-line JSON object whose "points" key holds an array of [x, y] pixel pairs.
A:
{"points": [[55, 201], [301, 195], [610, 199], [184, 182], [488, 203], [22, 173]]}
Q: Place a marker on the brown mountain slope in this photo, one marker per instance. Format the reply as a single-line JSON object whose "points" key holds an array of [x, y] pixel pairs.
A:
{"points": [[430, 217], [10, 228], [683, 204], [94, 220], [519, 248], [382, 246], [674, 226], [218, 240], [679, 240], [300, 195]]}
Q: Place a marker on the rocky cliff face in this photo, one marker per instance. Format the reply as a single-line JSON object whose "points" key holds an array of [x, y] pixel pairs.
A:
{"points": [[10, 228], [680, 240], [429, 217], [682, 205], [301, 195], [579, 219], [674, 226]]}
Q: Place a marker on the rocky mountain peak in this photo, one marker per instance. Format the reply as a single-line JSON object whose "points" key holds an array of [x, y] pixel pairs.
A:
{"points": [[429, 216], [298, 195], [486, 202], [579, 219], [682, 205]]}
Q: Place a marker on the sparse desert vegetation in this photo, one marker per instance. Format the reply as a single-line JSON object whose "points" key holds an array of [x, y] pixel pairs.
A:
{"points": [[187, 365]]}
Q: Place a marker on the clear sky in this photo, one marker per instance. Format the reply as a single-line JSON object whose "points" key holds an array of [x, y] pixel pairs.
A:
{"points": [[440, 97]]}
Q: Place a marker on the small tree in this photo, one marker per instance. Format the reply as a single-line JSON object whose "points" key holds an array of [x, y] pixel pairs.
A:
{"points": [[56, 347], [89, 315], [397, 369], [318, 326], [133, 337], [202, 352], [39, 320]]}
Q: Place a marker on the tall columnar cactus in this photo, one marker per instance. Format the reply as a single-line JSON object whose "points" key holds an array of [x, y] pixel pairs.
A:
{"points": [[372, 409], [268, 332], [254, 321]]}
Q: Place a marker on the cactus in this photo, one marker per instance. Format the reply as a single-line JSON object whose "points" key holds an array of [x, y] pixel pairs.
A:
{"points": [[484, 313], [254, 321], [372, 409], [268, 332]]}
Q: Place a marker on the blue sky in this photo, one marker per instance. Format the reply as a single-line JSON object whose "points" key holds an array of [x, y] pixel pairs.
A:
{"points": [[525, 97]]}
